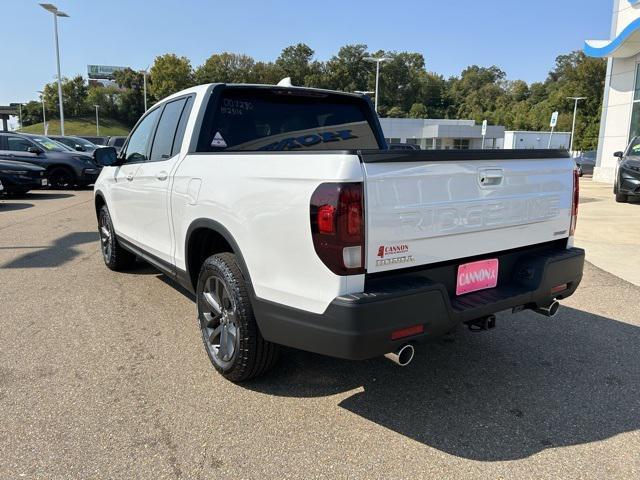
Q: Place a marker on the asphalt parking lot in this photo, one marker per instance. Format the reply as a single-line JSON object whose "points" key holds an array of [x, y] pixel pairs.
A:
{"points": [[103, 375]]}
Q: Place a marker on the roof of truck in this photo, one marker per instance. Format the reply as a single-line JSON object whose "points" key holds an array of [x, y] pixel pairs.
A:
{"points": [[202, 89]]}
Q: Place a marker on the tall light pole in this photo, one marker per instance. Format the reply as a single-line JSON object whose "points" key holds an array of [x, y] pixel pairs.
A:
{"points": [[97, 121], [144, 83], [575, 111], [44, 117], [57, 13], [378, 61]]}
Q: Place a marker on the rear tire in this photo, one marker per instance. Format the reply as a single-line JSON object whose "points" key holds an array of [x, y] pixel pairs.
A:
{"points": [[229, 330], [61, 178], [115, 257]]}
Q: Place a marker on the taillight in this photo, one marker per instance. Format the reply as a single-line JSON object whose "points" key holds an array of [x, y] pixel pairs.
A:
{"points": [[337, 226], [574, 202], [326, 219]]}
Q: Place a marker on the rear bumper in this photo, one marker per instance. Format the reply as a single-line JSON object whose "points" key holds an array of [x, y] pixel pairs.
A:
{"points": [[359, 326]]}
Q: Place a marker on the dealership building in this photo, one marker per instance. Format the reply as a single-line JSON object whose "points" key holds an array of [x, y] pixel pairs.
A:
{"points": [[621, 106], [437, 134]]}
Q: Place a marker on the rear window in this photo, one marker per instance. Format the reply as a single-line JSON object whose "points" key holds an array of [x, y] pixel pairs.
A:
{"points": [[277, 120]]}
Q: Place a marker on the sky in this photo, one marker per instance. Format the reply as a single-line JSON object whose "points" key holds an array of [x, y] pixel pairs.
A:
{"points": [[523, 38]]}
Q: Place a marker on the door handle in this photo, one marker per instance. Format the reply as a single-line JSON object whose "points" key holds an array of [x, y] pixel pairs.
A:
{"points": [[490, 176], [129, 177], [162, 176]]}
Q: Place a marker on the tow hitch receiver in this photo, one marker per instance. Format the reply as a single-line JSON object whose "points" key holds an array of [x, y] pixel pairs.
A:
{"points": [[482, 324]]}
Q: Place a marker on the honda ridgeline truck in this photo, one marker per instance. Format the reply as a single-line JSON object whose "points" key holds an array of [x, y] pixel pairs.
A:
{"points": [[282, 209]]}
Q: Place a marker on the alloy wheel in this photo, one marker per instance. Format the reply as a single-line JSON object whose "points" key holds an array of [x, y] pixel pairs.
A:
{"points": [[219, 322], [61, 178], [105, 237]]}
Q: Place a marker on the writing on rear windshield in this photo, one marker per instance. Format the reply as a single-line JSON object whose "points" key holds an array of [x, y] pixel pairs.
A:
{"points": [[232, 106], [309, 140]]}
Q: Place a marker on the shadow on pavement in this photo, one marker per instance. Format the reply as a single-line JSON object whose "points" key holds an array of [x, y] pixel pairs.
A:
{"points": [[590, 200], [62, 251], [8, 207], [174, 284], [538, 383], [41, 195]]}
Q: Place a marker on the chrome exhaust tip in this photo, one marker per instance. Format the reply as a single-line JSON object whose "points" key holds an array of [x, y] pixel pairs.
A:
{"points": [[403, 356], [550, 310]]}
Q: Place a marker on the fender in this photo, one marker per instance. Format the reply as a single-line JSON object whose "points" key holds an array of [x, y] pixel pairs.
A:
{"points": [[184, 277], [96, 194]]}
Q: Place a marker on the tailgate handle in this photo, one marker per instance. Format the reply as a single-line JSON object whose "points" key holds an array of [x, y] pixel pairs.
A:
{"points": [[490, 176]]}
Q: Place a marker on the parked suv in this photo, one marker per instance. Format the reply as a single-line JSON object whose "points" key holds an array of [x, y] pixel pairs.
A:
{"points": [[286, 214], [76, 143], [627, 177], [100, 141], [65, 167], [116, 142], [586, 162]]}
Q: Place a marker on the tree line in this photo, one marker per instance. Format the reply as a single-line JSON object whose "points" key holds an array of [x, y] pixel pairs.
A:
{"points": [[407, 88]]}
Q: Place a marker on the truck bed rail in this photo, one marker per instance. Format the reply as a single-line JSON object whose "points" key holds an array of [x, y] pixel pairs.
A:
{"points": [[382, 156]]}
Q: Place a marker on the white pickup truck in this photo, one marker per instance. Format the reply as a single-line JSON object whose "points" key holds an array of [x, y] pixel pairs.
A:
{"points": [[282, 209]]}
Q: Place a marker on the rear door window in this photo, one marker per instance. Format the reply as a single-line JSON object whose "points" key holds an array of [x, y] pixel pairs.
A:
{"points": [[245, 119], [166, 131], [182, 126]]}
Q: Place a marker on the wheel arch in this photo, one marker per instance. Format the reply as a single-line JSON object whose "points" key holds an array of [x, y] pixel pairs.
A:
{"points": [[99, 201], [63, 166], [206, 237]]}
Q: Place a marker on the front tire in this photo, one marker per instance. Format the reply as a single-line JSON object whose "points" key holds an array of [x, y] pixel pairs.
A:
{"points": [[115, 257], [61, 178], [622, 198], [229, 330]]}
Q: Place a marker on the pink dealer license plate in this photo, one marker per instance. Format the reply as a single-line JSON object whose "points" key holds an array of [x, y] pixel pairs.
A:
{"points": [[477, 276]]}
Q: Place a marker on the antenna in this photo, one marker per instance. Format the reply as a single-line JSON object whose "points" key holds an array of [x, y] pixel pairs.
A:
{"points": [[285, 82]]}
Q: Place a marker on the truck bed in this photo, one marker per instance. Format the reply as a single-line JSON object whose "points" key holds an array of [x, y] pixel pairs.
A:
{"points": [[425, 207]]}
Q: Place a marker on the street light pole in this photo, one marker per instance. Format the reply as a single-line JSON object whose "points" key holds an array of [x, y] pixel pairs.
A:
{"points": [[575, 111], [378, 61], [44, 117], [97, 121], [144, 83], [57, 13]]}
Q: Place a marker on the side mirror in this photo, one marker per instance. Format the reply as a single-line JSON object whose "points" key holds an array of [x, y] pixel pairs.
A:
{"points": [[105, 156], [80, 148], [35, 150], [619, 154]]}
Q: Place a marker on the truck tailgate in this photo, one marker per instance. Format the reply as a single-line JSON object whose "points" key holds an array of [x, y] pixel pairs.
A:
{"points": [[434, 206]]}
